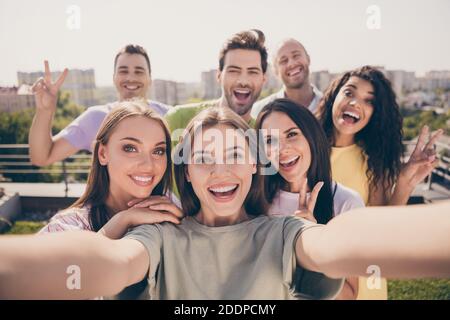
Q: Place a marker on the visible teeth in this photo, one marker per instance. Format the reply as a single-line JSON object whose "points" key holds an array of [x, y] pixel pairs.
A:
{"points": [[352, 114], [290, 160], [131, 87], [223, 189], [242, 91], [294, 72], [143, 179]]}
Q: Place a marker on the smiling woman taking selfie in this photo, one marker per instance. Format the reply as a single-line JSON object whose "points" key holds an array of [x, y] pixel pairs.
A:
{"points": [[228, 239]]}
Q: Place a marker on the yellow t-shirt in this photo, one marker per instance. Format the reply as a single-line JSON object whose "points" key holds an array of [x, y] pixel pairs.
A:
{"points": [[349, 166]]}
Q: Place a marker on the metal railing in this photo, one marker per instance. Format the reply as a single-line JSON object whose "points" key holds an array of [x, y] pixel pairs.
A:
{"points": [[17, 161], [80, 163]]}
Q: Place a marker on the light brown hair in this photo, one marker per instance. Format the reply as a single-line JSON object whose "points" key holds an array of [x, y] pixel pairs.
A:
{"points": [[255, 202], [97, 187]]}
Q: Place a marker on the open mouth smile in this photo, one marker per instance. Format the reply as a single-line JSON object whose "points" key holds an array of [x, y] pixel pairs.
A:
{"points": [[350, 117], [223, 193], [294, 72], [131, 87], [143, 181], [289, 162], [242, 96]]}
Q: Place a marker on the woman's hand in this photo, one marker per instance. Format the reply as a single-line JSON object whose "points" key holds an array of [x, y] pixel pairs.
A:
{"points": [[45, 91], [162, 204], [421, 163], [306, 206], [423, 159], [154, 209]]}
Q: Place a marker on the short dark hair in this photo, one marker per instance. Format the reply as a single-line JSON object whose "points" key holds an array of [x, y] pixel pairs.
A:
{"points": [[133, 49], [249, 40]]}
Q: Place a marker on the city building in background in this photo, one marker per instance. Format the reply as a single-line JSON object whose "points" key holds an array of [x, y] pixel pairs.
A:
{"points": [[210, 86], [430, 90], [104, 95], [321, 79], [79, 83], [14, 98], [173, 93], [434, 80], [164, 91], [273, 83]]}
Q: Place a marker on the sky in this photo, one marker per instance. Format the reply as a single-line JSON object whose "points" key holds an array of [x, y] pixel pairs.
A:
{"points": [[183, 37]]}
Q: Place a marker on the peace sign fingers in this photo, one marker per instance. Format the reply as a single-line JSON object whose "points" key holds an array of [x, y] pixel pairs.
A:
{"points": [[47, 74], [61, 78], [433, 139], [306, 206], [314, 195], [302, 193], [420, 142], [53, 87]]}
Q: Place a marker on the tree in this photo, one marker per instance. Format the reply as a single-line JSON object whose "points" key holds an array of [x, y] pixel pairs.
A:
{"points": [[413, 122], [14, 128]]}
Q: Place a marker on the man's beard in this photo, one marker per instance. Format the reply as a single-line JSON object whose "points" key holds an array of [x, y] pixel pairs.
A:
{"points": [[239, 109], [300, 83]]}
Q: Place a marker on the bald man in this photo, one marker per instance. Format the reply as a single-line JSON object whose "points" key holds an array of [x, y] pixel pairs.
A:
{"points": [[291, 64]]}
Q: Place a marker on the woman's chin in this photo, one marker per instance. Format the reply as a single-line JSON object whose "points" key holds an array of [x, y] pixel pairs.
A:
{"points": [[141, 194]]}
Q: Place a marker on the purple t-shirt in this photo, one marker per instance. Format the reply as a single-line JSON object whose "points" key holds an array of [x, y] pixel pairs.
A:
{"points": [[82, 131]]}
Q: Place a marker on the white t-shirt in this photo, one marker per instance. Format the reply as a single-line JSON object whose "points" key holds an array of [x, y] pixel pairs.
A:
{"points": [[259, 105], [345, 199], [82, 131]]}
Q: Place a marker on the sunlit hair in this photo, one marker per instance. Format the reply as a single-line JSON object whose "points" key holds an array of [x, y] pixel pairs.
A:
{"points": [[97, 187], [255, 202], [381, 138], [319, 169], [249, 40]]}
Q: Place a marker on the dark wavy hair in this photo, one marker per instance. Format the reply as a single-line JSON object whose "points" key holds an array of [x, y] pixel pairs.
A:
{"points": [[381, 138], [255, 202], [320, 168]]}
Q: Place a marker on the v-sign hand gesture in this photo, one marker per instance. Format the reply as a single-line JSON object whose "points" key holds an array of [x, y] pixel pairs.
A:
{"points": [[422, 160], [45, 91], [306, 206]]}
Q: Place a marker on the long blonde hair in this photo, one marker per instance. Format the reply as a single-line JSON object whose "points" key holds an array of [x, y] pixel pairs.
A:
{"points": [[97, 187]]}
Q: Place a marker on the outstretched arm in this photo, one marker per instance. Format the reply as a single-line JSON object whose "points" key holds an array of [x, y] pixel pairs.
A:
{"points": [[45, 266], [404, 242]]}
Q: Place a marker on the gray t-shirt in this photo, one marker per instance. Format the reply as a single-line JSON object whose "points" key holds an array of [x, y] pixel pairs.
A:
{"points": [[254, 259]]}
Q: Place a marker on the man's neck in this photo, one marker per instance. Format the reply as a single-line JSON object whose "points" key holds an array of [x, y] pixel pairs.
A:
{"points": [[223, 103], [132, 98], [302, 96]]}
